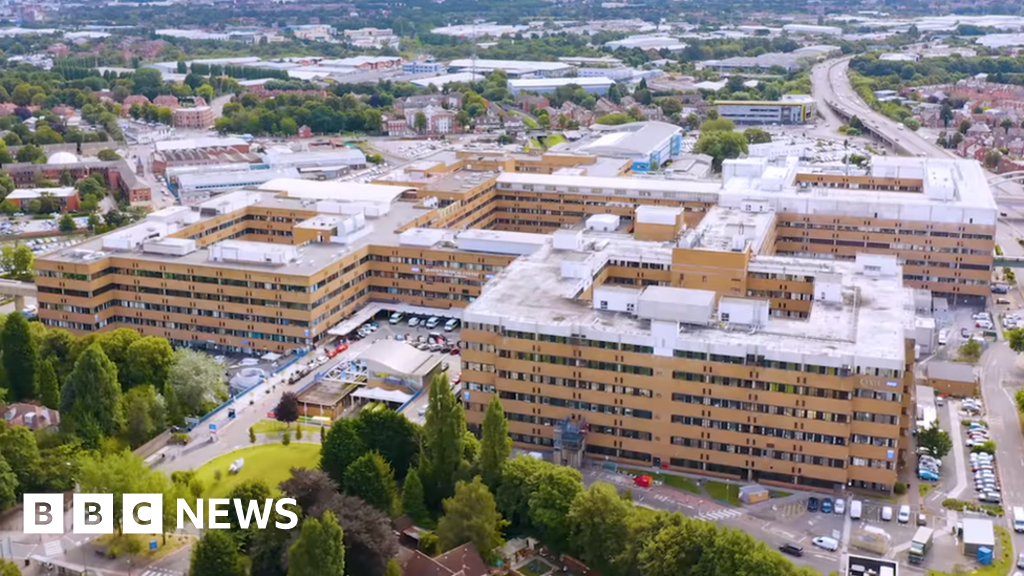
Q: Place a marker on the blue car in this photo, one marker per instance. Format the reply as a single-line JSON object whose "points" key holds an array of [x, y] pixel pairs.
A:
{"points": [[826, 505], [925, 474], [812, 504]]}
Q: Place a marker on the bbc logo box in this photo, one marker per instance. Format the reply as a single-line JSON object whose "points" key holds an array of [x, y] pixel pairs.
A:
{"points": [[93, 514]]}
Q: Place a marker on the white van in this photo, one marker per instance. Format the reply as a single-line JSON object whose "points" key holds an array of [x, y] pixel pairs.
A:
{"points": [[855, 509], [1018, 519]]}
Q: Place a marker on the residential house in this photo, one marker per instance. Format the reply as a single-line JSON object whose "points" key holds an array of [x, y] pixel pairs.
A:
{"points": [[132, 100], [530, 102], [409, 105], [979, 130], [461, 561], [606, 106], [167, 101], [31, 416]]}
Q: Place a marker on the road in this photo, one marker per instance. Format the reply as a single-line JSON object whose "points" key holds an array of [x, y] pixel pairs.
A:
{"points": [[831, 84]]}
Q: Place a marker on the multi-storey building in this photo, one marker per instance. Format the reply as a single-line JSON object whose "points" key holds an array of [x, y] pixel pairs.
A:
{"points": [[761, 326]]}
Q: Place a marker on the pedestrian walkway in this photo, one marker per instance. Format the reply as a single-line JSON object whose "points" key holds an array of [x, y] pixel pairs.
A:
{"points": [[721, 514], [162, 572]]}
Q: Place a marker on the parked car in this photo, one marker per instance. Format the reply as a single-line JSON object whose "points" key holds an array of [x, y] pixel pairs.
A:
{"points": [[904, 516], [791, 549], [414, 321], [826, 505], [965, 333], [927, 475], [432, 322], [396, 318], [886, 513], [943, 337], [812, 504], [840, 506], [830, 544]]}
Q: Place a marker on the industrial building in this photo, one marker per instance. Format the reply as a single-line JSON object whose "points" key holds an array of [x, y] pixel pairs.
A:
{"points": [[791, 109], [200, 185], [514, 68], [762, 327], [595, 85], [655, 42], [647, 144]]}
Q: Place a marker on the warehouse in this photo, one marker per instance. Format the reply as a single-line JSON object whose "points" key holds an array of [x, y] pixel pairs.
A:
{"points": [[792, 109], [514, 68], [647, 144], [195, 187], [598, 85]]}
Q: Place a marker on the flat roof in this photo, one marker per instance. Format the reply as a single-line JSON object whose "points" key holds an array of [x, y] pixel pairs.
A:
{"points": [[955, 371], [867, 328], [729, 230], [400, 357], [337, 191], [610, 185], [447, 79], [527, 83], [202, 142], [508, 65], [31, 193]]}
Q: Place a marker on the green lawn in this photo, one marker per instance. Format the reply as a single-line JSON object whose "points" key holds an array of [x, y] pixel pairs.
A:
{"points": [[530, 122], [267, 426], [271, 463], [725, 492], [678, 482], [553, 140]]}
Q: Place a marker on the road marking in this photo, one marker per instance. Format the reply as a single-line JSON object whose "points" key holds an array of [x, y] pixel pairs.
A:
{"points": [[720, 514], [53, 548]]}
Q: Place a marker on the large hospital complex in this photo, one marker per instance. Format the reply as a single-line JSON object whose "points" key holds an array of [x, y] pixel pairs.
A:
{"points": [[760, 326]]}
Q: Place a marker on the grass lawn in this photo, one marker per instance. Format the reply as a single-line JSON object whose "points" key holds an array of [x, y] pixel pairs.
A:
{"points": [[271, 463], [120, 545], [779, 493], [678, 482], [924, 489], [554, 140], [530, 122], [725, 492], [275, 427]]}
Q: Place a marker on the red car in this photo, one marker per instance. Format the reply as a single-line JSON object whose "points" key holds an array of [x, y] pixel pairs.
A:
{"points": [[340, 348]]}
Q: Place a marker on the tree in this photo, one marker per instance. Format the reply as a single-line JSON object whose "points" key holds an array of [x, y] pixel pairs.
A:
{"points": [[992, 158], [319, 550], [21, 452], [341, 448], [8, 207], [197, 380], [286, 438], [472, 516], [252, 435], [419, 122], [443, 438], [22, 261], [145, 414], [518, 481], [391, 434], [49, 390], [250, 493], [310, 488], [598, 519], [8, 486], [19, 357], [555, 488], [757, 136], [372, 479], [66, 178], [118, 473], [614, 119], [393, 569], [717, 125], [90, 402], [67, 223], [369, 540], [495, 445], [935, 439], [1006, 124], [965, 125], [946, 114], [721, 145], [1015, 337], [216, 554], [970, 351], [30, 154], [148, 362], [412, 499], [287, 409], [115, 345]]}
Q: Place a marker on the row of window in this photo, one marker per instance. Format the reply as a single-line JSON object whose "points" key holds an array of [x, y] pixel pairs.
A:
{"points": [[576, 384], [769, 431], [577, 362], [758, 408], [577, 405], [893, 231]]}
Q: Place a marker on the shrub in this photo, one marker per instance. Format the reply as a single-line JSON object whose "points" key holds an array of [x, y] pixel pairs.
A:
{"points": [[954, 504], [900, 488]]}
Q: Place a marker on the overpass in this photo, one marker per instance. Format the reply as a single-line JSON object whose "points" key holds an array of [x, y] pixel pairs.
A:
{"points": [[19, 291], [1008, 261]]}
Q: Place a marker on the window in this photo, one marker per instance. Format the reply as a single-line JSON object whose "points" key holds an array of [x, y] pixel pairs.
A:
{"points": [[604, 304]]}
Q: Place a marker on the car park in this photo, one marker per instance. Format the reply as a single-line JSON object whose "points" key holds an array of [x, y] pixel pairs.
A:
{"points": [[840, 506], [451, 325], [396, 318], [414, 321], [432, 322]]}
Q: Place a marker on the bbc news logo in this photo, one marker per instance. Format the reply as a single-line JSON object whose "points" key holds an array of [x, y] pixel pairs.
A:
{"points": [[144, 513]]}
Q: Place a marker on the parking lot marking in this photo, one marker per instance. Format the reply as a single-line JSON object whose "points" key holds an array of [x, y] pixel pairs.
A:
{"points": [[720, 514]]}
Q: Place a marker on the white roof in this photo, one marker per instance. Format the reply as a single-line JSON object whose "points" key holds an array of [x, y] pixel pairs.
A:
{"points": [[519, 66], [382, 395], [448, 78], [527, 83], [399, 357], [62, 158], [204, 142], [30, 193], [337, 191]]}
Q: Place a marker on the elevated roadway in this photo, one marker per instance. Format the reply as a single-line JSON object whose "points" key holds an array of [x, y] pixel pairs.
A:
{"points": [[19, 291]]}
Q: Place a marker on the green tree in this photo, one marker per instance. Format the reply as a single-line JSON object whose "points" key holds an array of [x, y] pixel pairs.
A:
{"points": [[443, 437], [22, 262], [412, 499], [66, 179], [717, 125], [555, 489], [148, 362], [90, 402], [197, 379], [970, 351], [495, 444], [145, 414], [946, 114], [598, 519], [118, 473], [965, 125], [252, 435], [115, 345], [252, 493], [67, 223], [286, 438], [393, 569], [471, 515], [287, 409], [49, 389], [341, 448], [108, 155], [720, 146], [31, 154], [19, 357], [21, 452], [9, 487], [935, 439], [216, 554], [372, 479], [8, 207], [518, 481], [757, 135], [1015, 337], [614, 119], [391, 434], [419, 122], [319, 550]]}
